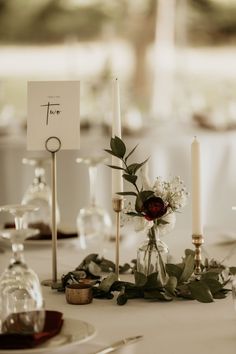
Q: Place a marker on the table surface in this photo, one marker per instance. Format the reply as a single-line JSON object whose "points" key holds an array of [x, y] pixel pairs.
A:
{"points": [[180, 326]]}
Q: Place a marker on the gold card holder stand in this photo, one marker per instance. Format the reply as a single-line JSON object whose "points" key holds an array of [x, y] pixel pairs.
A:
{"points": [[53, 145]]}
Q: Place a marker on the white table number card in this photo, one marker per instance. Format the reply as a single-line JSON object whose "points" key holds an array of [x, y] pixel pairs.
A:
{"points": [[53, 111]]}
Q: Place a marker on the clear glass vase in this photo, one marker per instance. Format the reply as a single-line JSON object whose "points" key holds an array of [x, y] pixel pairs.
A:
{"points": [[152, 256]]}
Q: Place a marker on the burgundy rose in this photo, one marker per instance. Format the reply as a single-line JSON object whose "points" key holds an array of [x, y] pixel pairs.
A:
{"points": [[154, 208]]}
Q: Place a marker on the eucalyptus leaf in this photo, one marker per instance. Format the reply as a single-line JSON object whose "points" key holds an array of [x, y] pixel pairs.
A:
{"points": [[184, 292], [107, 282], [200, 291], [130, 153], [174, 270], [232, 270], [122, 299], [125, 268], [213, 284], [144, 195], [188, 268], [188, 252], [215, 270], [132, 213], [152, 281], [87, 260], [171, 285], [210, 275], [116, 167], [140, 279], [100, 294], [94, 269], [107, 265], [221, 294], [128, 193], [138, 203], [133, 168], [111, 152], [130, 178], [118, 147]]}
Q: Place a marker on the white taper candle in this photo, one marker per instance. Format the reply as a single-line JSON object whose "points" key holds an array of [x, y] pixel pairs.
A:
{"points": [[196, 188], [117, 180]]}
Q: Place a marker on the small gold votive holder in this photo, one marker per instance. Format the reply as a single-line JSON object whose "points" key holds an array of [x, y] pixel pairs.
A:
{"points": [[79, 294]]}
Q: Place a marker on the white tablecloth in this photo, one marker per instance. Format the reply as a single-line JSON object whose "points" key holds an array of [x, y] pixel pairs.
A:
{"points": [[180, 327]]}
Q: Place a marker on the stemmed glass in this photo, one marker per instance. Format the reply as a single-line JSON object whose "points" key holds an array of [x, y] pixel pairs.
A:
{"points": [[93, 222], [21, 300], [39, 194]]}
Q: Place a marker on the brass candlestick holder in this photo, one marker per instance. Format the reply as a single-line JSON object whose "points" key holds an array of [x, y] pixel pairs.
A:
{"points": [[118, 205], [197, 240]]}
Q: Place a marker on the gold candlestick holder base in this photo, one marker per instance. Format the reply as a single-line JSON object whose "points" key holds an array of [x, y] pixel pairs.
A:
{"points": [[118, 205], [197, 240]]}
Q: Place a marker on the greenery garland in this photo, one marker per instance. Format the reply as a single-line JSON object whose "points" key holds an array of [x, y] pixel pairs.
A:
{"points": [[182, 283]]}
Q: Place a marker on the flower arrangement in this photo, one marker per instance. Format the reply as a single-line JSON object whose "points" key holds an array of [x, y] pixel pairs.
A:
{"points": [[155, 204]]}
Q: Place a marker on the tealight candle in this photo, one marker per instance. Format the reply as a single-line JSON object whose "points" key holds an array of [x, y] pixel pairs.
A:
{"points": [[196, 188]]}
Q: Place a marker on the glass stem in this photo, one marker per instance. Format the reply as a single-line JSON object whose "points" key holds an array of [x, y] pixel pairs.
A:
{"points": [[19, 222], [92, 180], [18, 253]]}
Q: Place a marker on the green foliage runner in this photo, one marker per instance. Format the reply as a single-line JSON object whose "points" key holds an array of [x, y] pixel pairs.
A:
{"points": [[181, 283]]}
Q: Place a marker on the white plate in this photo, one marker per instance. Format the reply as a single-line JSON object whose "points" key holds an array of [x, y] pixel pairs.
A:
{"points": [[73, 333]]}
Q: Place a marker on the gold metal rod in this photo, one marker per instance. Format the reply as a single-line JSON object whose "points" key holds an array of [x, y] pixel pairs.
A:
{"points": [[54, 223]]}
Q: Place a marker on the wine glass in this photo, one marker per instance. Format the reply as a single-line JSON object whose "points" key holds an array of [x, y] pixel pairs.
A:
{"points": [[20, 292], [93, 222], [21, 300], [18, 211], [39, 194]]}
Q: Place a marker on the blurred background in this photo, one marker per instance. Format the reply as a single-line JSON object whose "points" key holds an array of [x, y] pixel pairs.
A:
{"points": [[175, 60]]}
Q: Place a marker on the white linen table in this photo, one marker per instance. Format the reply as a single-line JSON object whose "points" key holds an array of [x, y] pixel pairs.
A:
{"points": [[179, 327]]}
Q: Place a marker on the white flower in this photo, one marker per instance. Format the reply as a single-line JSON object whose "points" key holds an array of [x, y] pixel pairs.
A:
{"points": [[141, 224], [172, 192], [158, 186]]}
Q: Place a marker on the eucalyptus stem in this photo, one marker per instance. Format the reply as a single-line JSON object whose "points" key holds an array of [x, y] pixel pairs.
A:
{"points": [[127, 170]]}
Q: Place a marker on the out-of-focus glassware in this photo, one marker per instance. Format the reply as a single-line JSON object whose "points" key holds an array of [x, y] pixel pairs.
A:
{"points": [[21, 300], [234, 292], [39, 194], [18, 211], [93, 222]]}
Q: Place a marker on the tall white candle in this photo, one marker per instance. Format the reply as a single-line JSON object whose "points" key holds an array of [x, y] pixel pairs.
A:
{"points": [[117, 180], [196, 188]]}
